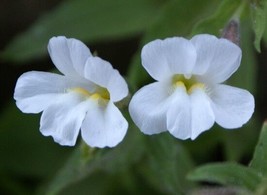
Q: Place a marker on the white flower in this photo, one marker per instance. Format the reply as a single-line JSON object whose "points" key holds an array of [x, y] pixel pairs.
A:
{"points": [[82, 98], [188, 96]]}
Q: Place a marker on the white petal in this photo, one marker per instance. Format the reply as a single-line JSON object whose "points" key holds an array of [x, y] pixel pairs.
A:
{"points": [[202, 114], [163, 58], [189, 115], [148, 107], [101, 72], [68, 55], [104, 126], [63, 119], [36, 103], [179, 115], [35, 91], [232, 106], [217, 59]]}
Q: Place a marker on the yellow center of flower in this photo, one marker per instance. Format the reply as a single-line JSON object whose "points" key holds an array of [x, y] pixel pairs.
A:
{"points": [[189, 84], [100, 94]]}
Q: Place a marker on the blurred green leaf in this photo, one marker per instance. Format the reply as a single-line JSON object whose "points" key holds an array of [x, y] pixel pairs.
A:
{"points": [[245, 76], [214, 23], [23, 149], [209, 142], [262, 188], [10, 186], [100, 183], [264, 36], [96, 183], [136, 75], [229, 174], [258, 16], [175, 19], [111, 160], [259, 160], [218, 190], [240, 143], [166, 165], [90, 21]]}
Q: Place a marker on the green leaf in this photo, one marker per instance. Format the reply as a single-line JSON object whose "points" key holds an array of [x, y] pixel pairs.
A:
{"points": [[229, 174], [24, 150], [176, 20], [213, 24], [240, 143], [90, 21], [111, 160], [258, 16], [262, 188], [264, 36], [259, 160], [100, 183], [245, 76], [137, 75], [166, 165]]}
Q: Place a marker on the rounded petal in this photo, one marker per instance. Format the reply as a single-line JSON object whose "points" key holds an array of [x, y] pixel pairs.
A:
{"points": [[163, 58], [179, 115], [101, 73], [189, 115], [201, 112], [35, 90], [63, 119], [104, 126], [217, 59], [68, 55], [232, 106], [148, 108], [37, 103]]}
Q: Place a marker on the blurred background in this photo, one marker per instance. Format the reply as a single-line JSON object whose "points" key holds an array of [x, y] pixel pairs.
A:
{"points": [[116, 31]]}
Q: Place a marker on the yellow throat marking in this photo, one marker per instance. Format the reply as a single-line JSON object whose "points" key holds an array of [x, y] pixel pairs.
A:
{"points": [[99, 94], [188, 84]]}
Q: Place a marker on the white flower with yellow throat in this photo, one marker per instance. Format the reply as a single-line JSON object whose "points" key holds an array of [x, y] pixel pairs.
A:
{"points": [[82, 99]]}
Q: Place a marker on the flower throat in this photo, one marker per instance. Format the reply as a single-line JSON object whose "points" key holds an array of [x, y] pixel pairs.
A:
{"points": [[190, 84]]}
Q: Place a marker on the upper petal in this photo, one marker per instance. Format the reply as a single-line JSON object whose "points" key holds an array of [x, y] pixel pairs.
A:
{"points": [[68, 55], [101, 72], [35, 90], [63, 119], [232, 106], [104, 126], [163, 58], [217, 59], [148, 108]]}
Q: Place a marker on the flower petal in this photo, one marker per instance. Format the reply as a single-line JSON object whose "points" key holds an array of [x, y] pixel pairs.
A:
{"points": [[148, 108], [232, 106], [189, 115], [163, 58], [63, 119], [35, 90], [37, 103], [217, 59], [68, 55], [202, 114], [179, 115], [104, 126], [101, 72]]}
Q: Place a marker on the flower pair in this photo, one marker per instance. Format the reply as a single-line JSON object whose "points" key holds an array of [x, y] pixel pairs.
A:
{"points": [[186, 99]]}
